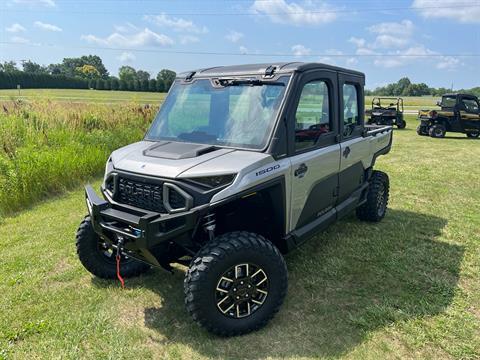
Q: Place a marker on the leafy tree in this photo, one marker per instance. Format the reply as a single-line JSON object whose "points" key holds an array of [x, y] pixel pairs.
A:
{"points": [[8, 67], [127, 73], [160, 85], [114, 83], [69, 65], [122, 85], [152, 85], [142, 75], [99, 85], [34, 68], [167, 76], [88, 72], [144, 85]]}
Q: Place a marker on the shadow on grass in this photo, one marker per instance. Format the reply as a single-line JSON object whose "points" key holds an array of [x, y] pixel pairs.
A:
{"points": [[343, 284]]}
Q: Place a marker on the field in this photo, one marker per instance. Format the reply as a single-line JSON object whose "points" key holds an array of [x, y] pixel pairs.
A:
{"points": [[407, 287], [83, 96]]}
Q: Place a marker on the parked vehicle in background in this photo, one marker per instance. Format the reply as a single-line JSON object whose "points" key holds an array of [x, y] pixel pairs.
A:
{"points": [[458, 113], [241, 165], [391, 114]]}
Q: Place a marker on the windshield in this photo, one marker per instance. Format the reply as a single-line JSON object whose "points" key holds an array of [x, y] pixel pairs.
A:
{"points": [[449, 101], [236, 113]]}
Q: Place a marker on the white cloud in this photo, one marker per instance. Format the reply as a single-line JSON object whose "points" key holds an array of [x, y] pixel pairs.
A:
{"points": [[47, 27], [128, 27], [300, 50], [332, 56], [311, 12], [49, 3], [19, 40], [126, 57], [234, 36], [358, 42], [403, 28], [243, 50], [386, 41], [449, 9], [351, 61], [404, 57], [448, 63], [187, 39], [176, 24], [15, 28], [145, 37]]}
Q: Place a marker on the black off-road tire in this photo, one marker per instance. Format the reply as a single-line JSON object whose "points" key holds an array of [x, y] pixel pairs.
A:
{"points": [[437, 131], [97, 261], [375, 208], [473, 135], [401, 124], [422, 131], [210, 265]]}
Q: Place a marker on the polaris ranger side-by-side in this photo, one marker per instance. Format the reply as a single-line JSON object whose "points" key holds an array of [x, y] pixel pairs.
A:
{"points": [[241, 165], [391, 114], [459, 113]]}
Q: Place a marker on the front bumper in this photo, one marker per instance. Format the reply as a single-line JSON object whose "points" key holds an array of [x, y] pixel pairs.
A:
{"points": [[142, 231]]}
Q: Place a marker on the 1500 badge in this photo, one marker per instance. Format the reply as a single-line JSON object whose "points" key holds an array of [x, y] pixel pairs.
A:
{"points": [[267, 170]]}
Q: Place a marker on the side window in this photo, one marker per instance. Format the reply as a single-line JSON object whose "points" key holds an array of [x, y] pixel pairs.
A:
{"points": [[470, 105], [351, 117], [312, 118]]}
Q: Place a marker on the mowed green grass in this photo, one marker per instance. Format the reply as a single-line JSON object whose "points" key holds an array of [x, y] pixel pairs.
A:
{"points": [[105, 96], [407, 287], [83, 96]]}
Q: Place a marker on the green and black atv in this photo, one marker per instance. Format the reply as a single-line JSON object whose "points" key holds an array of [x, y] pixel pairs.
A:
{"points": [[459, 113], [386, 115]]}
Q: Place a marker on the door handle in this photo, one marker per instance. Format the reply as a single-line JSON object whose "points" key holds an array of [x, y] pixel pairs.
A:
{"points": [[346, 152], [301, 170]]}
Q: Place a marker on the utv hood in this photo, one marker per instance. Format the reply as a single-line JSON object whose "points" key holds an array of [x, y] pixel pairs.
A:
{"points": [[171, 159]]}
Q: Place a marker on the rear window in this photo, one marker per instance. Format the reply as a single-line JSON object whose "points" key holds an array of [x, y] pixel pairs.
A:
{"points": [[449, 101]]}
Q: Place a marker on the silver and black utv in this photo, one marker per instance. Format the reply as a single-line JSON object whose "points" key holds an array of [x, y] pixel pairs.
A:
{"points": [[241, 165]]}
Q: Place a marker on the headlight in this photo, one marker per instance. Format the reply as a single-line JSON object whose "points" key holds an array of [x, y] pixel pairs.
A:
{"points": [[213, 182]]}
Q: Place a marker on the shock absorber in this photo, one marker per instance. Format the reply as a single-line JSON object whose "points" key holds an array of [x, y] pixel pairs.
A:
{"points": [[209, 225]]}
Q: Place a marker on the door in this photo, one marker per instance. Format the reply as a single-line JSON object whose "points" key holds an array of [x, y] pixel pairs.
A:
{"points": [[314, 151], [354, 150], [469, 114]]}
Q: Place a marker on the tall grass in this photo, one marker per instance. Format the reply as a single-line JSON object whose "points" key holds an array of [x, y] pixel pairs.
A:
{"points": [[48, 147]]}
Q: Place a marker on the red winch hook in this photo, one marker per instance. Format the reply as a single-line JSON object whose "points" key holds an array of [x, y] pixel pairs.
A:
{"points": [[117, 258]]}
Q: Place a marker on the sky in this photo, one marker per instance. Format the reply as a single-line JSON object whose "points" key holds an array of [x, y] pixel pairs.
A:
{"points": [[431, 41]]}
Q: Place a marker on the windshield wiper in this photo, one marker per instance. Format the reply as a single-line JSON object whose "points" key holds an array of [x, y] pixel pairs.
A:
{"points": [[247, 82]]}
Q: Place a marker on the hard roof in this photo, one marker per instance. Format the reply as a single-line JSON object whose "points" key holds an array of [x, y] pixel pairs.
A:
{"points": [[259, 69]]}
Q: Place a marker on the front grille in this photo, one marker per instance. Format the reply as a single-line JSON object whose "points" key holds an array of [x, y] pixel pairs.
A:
{"points": [[142, 195]]}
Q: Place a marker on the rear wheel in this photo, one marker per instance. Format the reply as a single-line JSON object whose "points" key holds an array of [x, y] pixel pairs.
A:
{"points": [[401, 124], [235, 284], [99, 259], [473, 134], [437, 131], [375, 208]]}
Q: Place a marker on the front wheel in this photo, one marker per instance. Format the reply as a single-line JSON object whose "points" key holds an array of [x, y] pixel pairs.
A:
{"points": [[235, 284], [422, 130], [99, 259], [474, 134], [375, 207]]}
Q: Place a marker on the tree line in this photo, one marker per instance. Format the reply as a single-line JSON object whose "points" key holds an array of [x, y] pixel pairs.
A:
{"points": [[85, 72], [404, 87]]}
